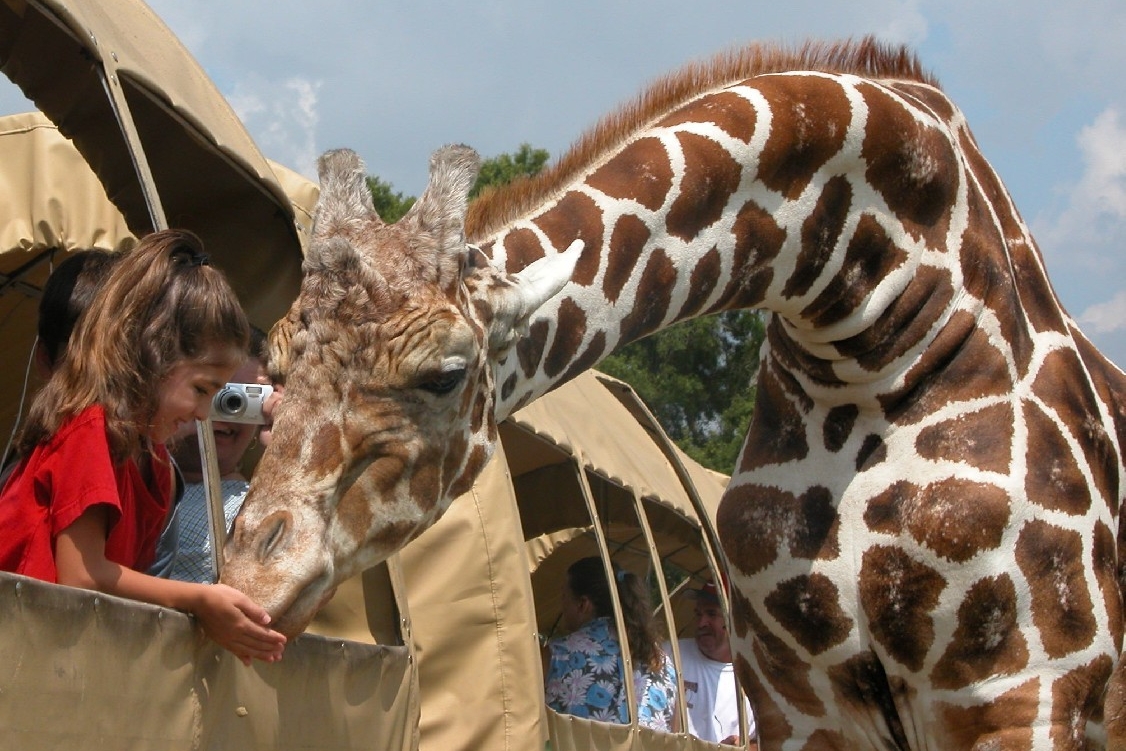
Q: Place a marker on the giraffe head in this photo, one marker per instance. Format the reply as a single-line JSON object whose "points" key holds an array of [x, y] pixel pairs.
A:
{"points": [[387, 358]]}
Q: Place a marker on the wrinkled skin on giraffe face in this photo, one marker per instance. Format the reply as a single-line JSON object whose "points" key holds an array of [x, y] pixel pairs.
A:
{"points": [[386, 358]]}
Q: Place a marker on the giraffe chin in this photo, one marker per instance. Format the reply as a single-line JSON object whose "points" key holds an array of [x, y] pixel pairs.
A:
{"points": [[295, 617]]}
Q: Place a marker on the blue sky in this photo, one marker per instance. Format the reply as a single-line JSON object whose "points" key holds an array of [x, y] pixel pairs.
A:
{"points": [[1042, 84]]}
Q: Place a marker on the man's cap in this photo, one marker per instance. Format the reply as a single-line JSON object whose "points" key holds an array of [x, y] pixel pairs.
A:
{"points": [[707, 593]]}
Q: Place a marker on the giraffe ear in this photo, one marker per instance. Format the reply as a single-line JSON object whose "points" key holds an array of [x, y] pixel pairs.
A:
{"points": [[344, 201], [440, 211], [514, 303]]}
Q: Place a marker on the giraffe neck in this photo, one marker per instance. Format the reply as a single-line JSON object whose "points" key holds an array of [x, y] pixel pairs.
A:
{"points": [[839, 204]]}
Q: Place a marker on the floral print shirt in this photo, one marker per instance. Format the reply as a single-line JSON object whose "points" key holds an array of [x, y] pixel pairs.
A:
{"points": [[584, 679], [585, 675]]}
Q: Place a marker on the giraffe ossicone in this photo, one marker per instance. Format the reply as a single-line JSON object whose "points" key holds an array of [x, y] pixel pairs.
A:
{"points": [[923, 527]]}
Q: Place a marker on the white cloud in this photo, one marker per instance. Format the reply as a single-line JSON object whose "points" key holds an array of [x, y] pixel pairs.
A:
{"points": [[1093, 218], [282, 117], [1106, 317]]}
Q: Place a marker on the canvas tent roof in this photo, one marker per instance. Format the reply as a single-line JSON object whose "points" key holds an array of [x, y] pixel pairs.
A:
{"points": [[158, 135], [54, 204]]}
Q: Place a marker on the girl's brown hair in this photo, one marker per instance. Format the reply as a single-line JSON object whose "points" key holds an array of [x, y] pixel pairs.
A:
{"points": [[162, 304], [587, 578]]}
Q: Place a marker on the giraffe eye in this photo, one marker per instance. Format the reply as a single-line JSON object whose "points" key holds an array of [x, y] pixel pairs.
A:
{"points": [[441, 384]]}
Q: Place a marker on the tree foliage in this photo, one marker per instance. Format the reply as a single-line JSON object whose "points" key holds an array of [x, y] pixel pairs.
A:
{"points": [[390, 205], [503, 169], [697, 377]]}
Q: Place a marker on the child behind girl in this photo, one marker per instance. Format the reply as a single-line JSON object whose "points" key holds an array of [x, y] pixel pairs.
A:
{"points": [[94, 484]]}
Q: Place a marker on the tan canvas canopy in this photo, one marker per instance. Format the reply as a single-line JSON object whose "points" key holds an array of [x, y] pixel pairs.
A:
{"points": [[161, 139], [54, 204]]}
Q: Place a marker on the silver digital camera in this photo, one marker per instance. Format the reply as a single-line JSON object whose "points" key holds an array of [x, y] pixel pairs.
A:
{"points": [[241, 402]]}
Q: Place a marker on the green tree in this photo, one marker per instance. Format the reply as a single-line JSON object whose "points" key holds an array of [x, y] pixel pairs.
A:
{"points": [[698, 378], [503, 169], [390, 205]]}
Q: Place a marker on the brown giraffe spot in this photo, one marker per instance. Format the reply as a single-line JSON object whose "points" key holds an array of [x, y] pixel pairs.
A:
{"points": [[987, 275], [654, 296], [926, 97], [1077, 698], [1003, 723], [530, 349], [755, 522], [955, 518], [838, 426], [1110, 387], [426, 476], [862, 685], [509, 386], [627, 240], [808, 607], [960, 365], [570, 328], [705, 274], [575, 210], [587, 359], [870, 257], [641, 172], [904, 323], [478, 457], [778, 421], [758, 241], [820, 233], [728, 111], [785, 670], [872, 451], [826, 740], [1061, 384], [898, 595], [1053, 479], [324, 448], [521, 247], [1038, 301], [910, 164], [981, 439], [711, 177], [792, 356], [987, 641], [809, 121], [1051, 559], [1104, 556], [770, 719]]}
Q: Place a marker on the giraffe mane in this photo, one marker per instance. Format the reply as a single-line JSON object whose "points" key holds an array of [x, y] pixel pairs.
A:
{"points": [[868, 57]]}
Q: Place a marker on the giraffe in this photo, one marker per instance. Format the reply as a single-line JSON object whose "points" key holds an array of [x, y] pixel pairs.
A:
{"points": [[922, 530]]}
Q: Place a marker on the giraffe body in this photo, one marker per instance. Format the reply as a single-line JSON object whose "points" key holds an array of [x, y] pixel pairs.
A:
{"points": [[923, 529]]}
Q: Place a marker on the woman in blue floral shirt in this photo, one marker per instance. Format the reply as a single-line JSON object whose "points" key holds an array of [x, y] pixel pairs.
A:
{"points": [[584, 673]]}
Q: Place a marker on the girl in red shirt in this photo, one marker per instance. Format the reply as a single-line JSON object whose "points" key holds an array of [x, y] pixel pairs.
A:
{"points": [[94, 485]]}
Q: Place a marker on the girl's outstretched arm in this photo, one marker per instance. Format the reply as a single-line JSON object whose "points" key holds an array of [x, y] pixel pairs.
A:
{"points": [[228, 616]]}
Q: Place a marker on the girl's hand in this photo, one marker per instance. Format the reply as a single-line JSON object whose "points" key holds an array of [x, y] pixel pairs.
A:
{"points": [[237, 623]]}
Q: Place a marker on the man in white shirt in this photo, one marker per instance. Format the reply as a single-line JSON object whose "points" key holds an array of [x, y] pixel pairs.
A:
{"points": [[709, 677]]}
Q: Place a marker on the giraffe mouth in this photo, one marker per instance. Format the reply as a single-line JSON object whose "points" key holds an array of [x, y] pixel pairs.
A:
{"points": [[294, 618]]}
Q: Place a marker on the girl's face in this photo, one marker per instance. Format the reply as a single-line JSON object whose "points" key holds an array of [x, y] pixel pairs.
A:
{"points": [[186, 394]]}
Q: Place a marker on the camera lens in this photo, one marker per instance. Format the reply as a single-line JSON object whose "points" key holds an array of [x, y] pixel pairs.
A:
{"points": [[229, 402]]}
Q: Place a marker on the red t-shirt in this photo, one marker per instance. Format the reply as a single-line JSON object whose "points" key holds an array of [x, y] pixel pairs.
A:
{"points": [[64, 477]]}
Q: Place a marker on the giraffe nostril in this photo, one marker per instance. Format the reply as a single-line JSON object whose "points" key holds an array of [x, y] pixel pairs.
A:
{"points": [[274, 528]]}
